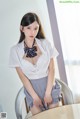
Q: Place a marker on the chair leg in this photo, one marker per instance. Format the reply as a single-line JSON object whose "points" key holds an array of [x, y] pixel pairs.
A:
{"points": [[62, 99], [27, 108]]}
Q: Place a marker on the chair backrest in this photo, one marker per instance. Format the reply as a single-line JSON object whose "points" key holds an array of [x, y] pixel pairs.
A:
{"points": [[66, 92], [20, 103]]}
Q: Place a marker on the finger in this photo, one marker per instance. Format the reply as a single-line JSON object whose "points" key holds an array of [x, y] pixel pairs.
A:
{"points": [[49, 102], [36, 103], [45, 101], [46, 104], [41, 104]]}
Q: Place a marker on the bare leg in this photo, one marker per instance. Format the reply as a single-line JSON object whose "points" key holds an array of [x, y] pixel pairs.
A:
{"points": [[35, 110], [55, 105]]}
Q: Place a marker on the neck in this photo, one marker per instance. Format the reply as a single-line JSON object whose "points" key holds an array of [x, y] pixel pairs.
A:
{"points": [[29, 43]]}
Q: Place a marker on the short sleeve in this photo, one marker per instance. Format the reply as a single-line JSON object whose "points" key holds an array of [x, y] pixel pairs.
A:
{"points": [[14, 58], [52, 50]]}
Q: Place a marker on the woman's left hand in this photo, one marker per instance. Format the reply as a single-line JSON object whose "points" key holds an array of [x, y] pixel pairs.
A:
{"points": [[47, 99]]}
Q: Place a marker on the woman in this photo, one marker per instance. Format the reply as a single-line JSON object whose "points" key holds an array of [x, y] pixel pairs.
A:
{"points": [[33, 58]]}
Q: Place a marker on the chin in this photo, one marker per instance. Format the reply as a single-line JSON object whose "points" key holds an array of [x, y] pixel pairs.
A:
{"points": [[32, 38]]}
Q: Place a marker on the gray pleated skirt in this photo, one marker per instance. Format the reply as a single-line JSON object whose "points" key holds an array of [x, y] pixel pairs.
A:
{"points": [[39, 86]]}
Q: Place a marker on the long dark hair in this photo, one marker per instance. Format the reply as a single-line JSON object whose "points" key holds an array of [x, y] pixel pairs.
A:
{"points": [[28, 19]]}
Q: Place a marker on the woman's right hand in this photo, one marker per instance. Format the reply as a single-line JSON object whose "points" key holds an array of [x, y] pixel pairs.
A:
{"points": [[37, 101]]}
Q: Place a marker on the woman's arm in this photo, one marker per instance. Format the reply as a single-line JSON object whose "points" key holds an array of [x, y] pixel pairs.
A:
{"points": [[50, 82], [51, 77], [28, 86]]}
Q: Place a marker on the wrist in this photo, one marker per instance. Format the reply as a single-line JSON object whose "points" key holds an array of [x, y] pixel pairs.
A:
{"points": [[34, 95], [47, 93]]}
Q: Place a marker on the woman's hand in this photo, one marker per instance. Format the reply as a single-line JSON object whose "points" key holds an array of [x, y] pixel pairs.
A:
{"points": [[37, 101], [47, 99]]}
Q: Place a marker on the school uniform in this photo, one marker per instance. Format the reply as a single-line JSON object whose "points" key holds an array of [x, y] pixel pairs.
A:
{"points": [[36, 73]]}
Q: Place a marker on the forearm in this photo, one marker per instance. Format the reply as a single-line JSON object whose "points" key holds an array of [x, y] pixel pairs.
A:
{"points": [[28, 86], [26, 83], [51, 77]]}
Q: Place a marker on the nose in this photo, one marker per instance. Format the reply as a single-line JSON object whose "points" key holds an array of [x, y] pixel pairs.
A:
{"points": [[32, 31]]}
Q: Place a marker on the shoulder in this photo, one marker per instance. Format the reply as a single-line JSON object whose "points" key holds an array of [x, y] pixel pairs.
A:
{"points": [[16, 46], [46, 43], [43, 42]]}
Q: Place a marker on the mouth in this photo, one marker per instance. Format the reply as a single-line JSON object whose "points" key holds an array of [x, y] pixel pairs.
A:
{"points": [[31, 36]]}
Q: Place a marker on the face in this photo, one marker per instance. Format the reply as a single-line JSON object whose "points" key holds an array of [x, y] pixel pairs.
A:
{"points": [[31, 30]]}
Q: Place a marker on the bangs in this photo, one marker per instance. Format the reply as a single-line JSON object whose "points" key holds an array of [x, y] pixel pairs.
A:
{"points": [[29, 19]]}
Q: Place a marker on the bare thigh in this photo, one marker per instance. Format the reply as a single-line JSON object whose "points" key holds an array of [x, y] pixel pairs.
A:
{"points": [[35, 110], [55, 105]]}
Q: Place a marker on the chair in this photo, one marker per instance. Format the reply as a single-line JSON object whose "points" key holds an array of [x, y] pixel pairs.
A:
{"points": [[67, 96], [21, 108]]}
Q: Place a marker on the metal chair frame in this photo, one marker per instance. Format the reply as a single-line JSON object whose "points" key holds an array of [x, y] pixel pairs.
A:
{"points": [[21, 108]]}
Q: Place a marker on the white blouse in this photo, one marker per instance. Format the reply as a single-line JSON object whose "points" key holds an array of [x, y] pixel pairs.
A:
{"points": [[33, 71]]}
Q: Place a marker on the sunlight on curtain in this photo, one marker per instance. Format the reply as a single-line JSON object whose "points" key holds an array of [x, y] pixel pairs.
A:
{"points": [[68, 19]]}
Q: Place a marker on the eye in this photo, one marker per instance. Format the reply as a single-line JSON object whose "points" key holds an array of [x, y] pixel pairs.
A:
{"points": [[28, 27], [36, 28]]}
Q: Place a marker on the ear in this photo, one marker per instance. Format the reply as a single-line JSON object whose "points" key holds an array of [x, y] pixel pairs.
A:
{"points": [[21, 28]]}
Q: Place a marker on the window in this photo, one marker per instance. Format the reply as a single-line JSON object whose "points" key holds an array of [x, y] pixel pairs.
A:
{"points": [[68, 20]]}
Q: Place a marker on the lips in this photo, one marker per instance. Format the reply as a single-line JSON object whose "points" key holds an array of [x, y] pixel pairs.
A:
{"points": [[31, 36]]}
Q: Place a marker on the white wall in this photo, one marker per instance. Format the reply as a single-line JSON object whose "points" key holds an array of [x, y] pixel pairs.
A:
{"points": [[11, 12]]}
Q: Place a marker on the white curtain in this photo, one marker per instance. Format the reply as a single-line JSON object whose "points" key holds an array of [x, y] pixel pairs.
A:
{"points": [[68, 19]]}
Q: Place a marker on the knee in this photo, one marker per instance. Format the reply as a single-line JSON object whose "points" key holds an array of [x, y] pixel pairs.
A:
{"points": [[35, 109], [54, 105]]}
